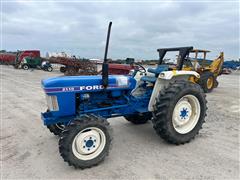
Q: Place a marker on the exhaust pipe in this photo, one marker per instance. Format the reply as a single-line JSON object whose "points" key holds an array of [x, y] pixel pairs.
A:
{"points": [[105, 63]]}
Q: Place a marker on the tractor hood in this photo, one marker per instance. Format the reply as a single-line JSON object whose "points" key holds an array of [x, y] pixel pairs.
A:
{"points": [[86, 83]]}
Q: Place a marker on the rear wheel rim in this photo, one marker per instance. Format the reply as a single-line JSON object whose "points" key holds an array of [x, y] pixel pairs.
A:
{"points": [[88, 143], [210, 82], [186, 114]]}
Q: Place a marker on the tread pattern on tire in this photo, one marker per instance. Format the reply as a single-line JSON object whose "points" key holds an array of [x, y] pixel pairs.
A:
{"points": [[162, 114], [203, 81], [54, 129], [65, 146]]}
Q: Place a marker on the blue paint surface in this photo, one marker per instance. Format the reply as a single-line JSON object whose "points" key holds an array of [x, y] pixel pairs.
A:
{"points": [[79, 95]]}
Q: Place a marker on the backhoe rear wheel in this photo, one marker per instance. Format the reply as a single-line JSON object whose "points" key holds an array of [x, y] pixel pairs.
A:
{"points": [[216, 83], [179, 112], [207, 81]]}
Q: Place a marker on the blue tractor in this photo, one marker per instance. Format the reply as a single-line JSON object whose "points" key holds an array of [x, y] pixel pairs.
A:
{"points": [[78, 107]]}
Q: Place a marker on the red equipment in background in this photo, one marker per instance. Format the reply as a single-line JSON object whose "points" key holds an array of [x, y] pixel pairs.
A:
{"points": [[120, 68], [7, 58], [10, 58], [31, 53]]}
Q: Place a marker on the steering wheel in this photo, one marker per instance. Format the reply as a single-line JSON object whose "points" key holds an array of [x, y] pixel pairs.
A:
{"points": [[140, 68]]}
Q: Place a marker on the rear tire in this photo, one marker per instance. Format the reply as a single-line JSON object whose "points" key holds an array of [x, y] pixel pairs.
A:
{"points": [[179, 112], [216, 83], [139, 118], [86, 142], [207, 81], [25, 66], [49, 69], [62, 69]]}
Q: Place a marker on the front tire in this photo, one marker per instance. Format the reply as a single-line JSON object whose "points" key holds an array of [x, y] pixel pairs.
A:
{"points": [[179, 112], [25, 66], [62, 69], [56, 129], [49, 69], [86, 142]]}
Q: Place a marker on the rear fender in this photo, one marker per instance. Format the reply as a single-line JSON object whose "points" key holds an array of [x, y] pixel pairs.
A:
{"points": [[167, 77]]}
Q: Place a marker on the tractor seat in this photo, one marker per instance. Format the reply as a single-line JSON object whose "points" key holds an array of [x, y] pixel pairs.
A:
{"points": [[155, 71], [158, 70], [151, 79]]}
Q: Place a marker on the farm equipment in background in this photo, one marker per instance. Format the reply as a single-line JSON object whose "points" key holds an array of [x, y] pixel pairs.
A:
{"points": [[73, 66], [7, 58], [78, 107], [121, 69], [25, 60], [234, 65], [15, 58], [229, 66], [35, 62], [208, 70], [26, 56]]}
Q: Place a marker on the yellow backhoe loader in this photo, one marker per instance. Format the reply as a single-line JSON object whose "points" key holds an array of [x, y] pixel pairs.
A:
{"points": [[208, 70]]}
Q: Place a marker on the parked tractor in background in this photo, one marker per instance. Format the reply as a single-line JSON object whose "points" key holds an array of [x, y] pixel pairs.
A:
{"points": [[35, 63], [78, 107]]}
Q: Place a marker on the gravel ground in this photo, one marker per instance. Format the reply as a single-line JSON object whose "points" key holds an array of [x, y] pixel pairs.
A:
{"points": [[30, 151]]}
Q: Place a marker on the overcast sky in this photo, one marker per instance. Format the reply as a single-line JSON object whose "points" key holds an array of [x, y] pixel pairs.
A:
{"points": [[138, 29]]}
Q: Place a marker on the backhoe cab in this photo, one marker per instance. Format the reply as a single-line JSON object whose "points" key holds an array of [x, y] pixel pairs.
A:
{"points": [[78, 107]]}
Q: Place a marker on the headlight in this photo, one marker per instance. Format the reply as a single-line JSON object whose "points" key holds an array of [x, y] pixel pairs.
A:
{"points": [[52, 103]]}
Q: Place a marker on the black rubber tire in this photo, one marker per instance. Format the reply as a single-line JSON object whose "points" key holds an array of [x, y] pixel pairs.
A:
{"points": [[56, 129], [203, 81], [71, 71], [165, 104], [216, 83], [25, 66], [139, 118], [63, 69], [68, 135], [49, 69]]}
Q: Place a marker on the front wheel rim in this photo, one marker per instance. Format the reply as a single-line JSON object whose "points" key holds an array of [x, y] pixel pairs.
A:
{"points": [[88, 143], [186, 114]]}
